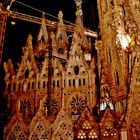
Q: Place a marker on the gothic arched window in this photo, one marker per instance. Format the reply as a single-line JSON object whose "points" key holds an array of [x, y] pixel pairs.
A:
{"points": [[26, 74], [76, 70]]}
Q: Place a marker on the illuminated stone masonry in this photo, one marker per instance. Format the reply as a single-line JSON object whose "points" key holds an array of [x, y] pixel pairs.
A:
{"points": [[61, 90]]}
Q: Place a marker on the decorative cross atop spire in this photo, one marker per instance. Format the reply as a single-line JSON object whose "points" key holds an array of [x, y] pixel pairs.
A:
{"points": [[79, 6]]}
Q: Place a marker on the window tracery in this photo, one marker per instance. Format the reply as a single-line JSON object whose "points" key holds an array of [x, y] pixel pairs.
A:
{"points": [[81, 135], [92, 135], [109, 133], [21, 136], [53, 105], [109, 126], [39, 128], [12, 136], [77, 103], [113, 133], [63, 126], [17, 128], [44, 136], [25, 107], [86, 125], [17, 133], [105, 134], [34, 136], [109, 130]]}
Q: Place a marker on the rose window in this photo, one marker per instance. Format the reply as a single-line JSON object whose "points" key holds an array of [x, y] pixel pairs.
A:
{"points": [[53, 105], [77, 104], [92, 134], [86, 125], [81, 135], [25, 105]]}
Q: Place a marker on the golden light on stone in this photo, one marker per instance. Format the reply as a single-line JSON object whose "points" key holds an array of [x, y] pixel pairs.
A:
{"points": [[60, 15], [74, 84]]}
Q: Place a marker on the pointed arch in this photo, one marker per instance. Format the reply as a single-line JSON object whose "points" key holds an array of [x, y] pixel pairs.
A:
{"points": [[16, 128], [28, 67], [86, 126], [108, 129], [40, 127], [62, 127]]}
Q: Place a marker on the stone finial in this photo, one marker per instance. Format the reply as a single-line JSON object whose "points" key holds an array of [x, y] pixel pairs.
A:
{"points": [[79, 6], [43, 17], [29, 39], [78, 3], [0, 6], [78, 13], [60, 15]]}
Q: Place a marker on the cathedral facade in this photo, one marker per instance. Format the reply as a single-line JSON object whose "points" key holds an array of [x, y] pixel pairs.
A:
{"points": [[78, 87]]}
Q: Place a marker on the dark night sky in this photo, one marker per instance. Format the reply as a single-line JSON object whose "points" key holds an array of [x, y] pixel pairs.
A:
{"points": [[15, 37]]}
